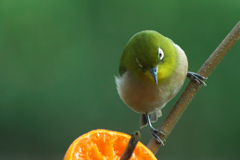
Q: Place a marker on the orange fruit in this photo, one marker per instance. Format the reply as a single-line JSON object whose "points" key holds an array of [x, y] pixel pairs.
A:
{"points": [[105, 145]]}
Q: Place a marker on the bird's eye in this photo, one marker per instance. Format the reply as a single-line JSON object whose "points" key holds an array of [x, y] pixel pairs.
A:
{"points": [[140, 65], [160, 53]]}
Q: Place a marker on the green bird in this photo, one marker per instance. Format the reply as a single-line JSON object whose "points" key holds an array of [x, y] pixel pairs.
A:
{"points": [[152, 70]]}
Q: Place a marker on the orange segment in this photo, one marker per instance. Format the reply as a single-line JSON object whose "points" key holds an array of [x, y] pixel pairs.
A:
{"points": [[105, 145]]}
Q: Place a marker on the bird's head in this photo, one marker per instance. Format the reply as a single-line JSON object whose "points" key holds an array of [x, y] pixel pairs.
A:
{"points": [[151, 57]]}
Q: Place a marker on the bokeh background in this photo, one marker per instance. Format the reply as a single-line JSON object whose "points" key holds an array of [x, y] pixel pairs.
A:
{"points": [[58, 60]]}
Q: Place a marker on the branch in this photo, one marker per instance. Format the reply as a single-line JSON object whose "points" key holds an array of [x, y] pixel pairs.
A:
{"points": [[131, 146], [193, 87]]}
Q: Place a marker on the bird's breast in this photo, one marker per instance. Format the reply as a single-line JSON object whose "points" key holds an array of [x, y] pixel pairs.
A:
{"points": [[145, 97]]}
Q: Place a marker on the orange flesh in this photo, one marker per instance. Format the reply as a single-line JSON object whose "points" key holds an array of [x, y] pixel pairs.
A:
{"points": [[105, 145]]}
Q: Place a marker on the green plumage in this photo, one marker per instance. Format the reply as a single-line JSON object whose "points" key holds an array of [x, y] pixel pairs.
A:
{"points": [[143, 46]]}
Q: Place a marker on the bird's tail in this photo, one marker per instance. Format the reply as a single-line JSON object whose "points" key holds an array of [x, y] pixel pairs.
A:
{"points": [[153, 118]]}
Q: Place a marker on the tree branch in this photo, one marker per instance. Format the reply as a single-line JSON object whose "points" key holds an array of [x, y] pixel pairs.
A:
{"points": [[131, 146], [193, 87]]}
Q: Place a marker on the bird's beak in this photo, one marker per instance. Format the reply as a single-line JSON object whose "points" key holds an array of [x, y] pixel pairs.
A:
{"points": [[153, 72]]}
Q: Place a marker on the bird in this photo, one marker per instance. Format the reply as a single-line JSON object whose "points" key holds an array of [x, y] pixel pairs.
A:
{"points": [[152, 70]]}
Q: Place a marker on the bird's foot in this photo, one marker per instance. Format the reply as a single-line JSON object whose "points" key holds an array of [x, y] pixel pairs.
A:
{"points": [[155, 133], [197, 78]]}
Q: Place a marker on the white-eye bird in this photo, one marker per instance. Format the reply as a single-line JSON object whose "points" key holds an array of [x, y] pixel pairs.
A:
{"points": [[152, 71]]}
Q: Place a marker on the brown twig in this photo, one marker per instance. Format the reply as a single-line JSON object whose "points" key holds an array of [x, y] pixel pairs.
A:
{"points": [[131, 146], [193, 87]]}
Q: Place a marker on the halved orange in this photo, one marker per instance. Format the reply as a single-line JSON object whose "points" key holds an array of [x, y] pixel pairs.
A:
{"points": [[105, 145]]}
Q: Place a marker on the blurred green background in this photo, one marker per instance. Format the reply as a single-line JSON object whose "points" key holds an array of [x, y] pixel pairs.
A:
{"points": [[58, 59]]}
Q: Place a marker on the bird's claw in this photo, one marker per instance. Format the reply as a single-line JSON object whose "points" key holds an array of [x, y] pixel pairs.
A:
{"points": [[197, 78], [155, 133]]}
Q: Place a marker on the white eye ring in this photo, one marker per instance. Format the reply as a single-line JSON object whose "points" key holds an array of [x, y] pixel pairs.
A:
{"points": [[160, 53], [140, 65]]}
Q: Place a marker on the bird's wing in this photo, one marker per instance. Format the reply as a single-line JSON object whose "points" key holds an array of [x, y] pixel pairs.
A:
{"points": [[122, 69]]}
